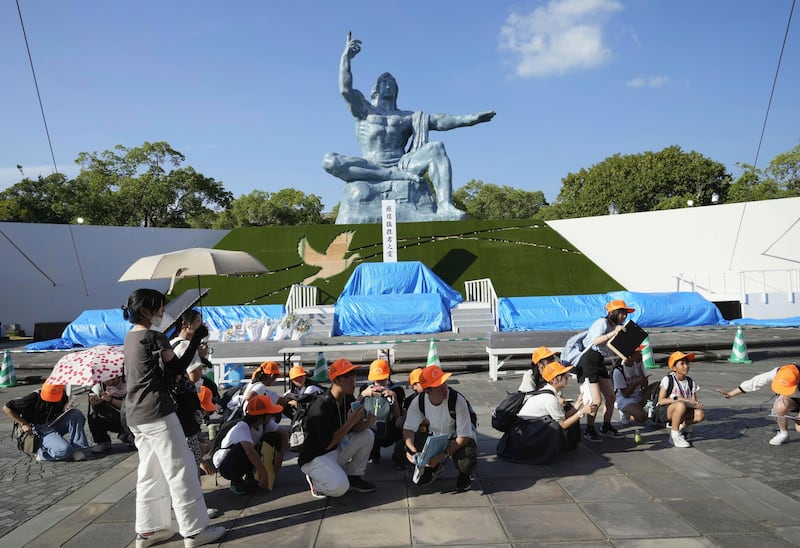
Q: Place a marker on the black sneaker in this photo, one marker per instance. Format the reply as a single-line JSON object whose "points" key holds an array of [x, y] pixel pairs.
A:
{"points": [[463, 483], [611, 432], [357, 483], [591, 435], [429, 475]]}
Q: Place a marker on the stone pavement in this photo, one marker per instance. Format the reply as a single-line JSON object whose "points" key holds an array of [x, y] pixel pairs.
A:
{"points": [[730, 489]]}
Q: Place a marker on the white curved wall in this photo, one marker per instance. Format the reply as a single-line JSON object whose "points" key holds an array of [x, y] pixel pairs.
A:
{"points": [[729, 251], [58, 293]]}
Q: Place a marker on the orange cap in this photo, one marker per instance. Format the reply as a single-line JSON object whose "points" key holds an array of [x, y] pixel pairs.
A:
{"points": [[554, 369], [433, 376], [262, 405], [677, 356], [270, 368], [413, 377], [786, 380], [378, 370], [541, 353], [205, 399], [340, 367], [52, 392], [619, 304], [297, 371]]}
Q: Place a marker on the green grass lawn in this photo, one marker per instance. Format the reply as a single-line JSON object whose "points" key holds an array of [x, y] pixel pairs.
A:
{"points": [[521, 257]]}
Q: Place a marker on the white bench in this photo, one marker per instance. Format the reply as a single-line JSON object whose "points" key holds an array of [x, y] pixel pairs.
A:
{"points": [[495, 354]]}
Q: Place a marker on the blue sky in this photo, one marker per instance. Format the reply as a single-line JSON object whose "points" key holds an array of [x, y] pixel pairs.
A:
{"points": [[247, 90]]}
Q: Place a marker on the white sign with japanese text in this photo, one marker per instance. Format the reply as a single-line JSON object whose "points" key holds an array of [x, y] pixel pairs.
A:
{"points": [[389, 229]]}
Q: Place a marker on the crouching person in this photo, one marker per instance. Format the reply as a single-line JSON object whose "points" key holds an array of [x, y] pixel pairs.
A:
{"points": [[549, 425], [338, 438], [239, 456], [677, 400], [446, 414]]}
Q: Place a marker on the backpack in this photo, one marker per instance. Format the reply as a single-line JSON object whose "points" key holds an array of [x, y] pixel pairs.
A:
{"points": [[504, 416], [652, 402], [299, 427], [223, 431], [451, 405]]}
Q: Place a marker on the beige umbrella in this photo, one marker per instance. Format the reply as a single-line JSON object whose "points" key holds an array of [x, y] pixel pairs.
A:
{"points": [[196, 261]]}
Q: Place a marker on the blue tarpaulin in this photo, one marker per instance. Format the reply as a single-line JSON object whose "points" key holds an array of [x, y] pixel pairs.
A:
{"points": [[93, 327], [394, 298], [577, 312], [391, 314]]}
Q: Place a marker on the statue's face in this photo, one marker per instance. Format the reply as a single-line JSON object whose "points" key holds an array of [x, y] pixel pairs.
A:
{"points": [[385, 88]]}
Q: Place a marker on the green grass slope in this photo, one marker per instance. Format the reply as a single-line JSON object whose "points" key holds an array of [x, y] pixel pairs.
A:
{"points": [[521, 257]]}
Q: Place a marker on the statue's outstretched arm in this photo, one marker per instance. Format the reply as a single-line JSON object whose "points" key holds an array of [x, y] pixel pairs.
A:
{"points": [[444, 122], [355, 100]]}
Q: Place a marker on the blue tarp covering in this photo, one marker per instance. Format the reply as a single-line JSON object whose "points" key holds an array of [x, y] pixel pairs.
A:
{"points": [[398, 278], [222, 317], [391, 314], [394, 298], [577, 312], [794, 321], [95, 327]]}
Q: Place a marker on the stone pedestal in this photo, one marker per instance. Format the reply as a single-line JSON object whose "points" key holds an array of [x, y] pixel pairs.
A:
{"points": [[361, 203]]}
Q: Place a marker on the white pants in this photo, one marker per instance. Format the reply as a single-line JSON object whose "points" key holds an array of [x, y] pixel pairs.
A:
{"points": [[329, 471], [167, 476]]}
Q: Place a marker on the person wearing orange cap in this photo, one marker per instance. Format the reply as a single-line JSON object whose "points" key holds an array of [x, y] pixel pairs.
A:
{"points": [[592, 366], [399, 454], [300, 386], [338, 440], [784, 382], [534, 440], [239, 456], [43, 413], [532, 378], [630, 381], [383, 398], [433, 405], [677, 400]]}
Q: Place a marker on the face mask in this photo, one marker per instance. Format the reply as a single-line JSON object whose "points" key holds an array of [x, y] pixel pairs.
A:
{"points": [[155, 322]]}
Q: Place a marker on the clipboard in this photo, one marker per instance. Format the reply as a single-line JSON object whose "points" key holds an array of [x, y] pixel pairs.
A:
{"points": [[625, 342], [433, 446]]}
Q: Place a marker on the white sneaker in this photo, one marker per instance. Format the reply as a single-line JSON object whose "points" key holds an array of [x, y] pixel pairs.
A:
{"points": [[314, 493], [779, 438], [206, 536], [677, 439], [156, 537]]}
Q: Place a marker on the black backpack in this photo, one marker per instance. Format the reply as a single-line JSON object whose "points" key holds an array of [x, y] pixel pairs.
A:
{"points": [[504, 416], [299, 426], [223, 431], [652, 403], [451, 405]]}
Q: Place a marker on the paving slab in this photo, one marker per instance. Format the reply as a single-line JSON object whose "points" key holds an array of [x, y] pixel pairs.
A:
{"points": [[619, 520], [548, 522]]}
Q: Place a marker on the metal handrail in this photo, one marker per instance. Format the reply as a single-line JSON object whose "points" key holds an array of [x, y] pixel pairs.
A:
{"points": [[764, 281], [301, 296], [482, 291]]}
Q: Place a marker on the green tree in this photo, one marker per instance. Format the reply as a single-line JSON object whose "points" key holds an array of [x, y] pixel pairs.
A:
{"points": [[641, 182], [288, 206], [489, 201], [781, 179], [50, 199], [144, 186]]}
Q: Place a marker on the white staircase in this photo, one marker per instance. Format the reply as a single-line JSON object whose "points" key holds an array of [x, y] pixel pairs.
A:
{"points": [[321, 318], [473, 318]]}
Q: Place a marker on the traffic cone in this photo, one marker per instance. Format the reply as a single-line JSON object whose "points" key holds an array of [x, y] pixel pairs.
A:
{"points": [[433, 355], [321, 369], [647, 355], [739, 352], [8, 379]]}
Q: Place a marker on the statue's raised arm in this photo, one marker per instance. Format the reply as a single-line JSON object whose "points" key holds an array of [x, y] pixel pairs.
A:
{"points": [[355, 100], [444, 122]]}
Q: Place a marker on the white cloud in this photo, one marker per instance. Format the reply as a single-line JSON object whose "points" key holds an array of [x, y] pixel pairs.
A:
{"points": [[644, 82], [563, 36]]}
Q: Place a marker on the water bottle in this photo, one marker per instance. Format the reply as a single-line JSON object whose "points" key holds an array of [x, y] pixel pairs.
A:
{"points": [[649, 408], [637, 437]]}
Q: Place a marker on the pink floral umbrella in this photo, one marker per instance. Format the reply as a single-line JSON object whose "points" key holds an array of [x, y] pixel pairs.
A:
{"points": [[88, 367]]}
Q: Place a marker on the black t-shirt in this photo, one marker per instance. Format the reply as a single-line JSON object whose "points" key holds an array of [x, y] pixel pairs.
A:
{"points": [[35, 410], [325, 417]]}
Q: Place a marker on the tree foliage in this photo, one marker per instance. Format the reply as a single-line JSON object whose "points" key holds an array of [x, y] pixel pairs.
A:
{"points": [[288, 206], [641, 182], [50, 199], [489, 201], [781, 179], [144, 186]]}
